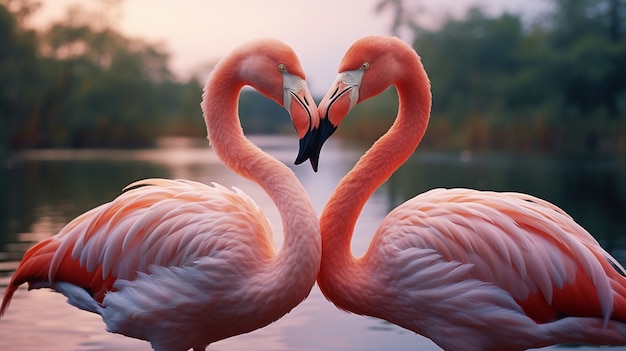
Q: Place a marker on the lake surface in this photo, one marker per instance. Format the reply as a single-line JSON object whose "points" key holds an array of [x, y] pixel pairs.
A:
{"points": [[41, 191]]}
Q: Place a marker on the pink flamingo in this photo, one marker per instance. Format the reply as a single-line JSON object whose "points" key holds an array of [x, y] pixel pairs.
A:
{"points": [[182, 264], [470, 270]]}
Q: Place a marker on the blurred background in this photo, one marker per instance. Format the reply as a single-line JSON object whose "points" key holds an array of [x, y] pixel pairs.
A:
{"points": [[528, 96], [542, 75]]}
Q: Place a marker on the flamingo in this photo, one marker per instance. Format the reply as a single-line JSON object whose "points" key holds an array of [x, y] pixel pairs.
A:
{"points": [[182, 264], [470, 270]]}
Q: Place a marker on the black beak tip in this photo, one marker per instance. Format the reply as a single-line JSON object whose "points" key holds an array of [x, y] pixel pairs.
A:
{"points": [[314, 163], [308, 151], [314, 159], [311, 144]]}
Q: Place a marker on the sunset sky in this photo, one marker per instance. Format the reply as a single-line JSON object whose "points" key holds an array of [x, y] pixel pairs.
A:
{"points": [[198, 32]]}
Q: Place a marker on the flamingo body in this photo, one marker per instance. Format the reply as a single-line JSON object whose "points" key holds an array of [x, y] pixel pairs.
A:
{"points": [[471, 270], [133, 263], [182, 264], [467, 262]]}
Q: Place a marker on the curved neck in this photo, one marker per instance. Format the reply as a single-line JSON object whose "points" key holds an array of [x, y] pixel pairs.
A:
{"points": [[295, 267], [342, 210]]}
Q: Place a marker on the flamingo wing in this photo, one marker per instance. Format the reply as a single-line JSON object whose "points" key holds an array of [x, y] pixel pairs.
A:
{"points": [[525, 246], [154, 223]]}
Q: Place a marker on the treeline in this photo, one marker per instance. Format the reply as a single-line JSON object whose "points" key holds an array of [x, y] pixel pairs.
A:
{"points": [[80, 84], [556, 84]]}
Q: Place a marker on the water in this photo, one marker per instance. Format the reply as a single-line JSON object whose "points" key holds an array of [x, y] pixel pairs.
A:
{"points": [[41, 191]]}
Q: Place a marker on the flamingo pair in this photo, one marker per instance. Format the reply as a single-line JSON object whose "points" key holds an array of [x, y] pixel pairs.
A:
{"points": [[183, 264]]}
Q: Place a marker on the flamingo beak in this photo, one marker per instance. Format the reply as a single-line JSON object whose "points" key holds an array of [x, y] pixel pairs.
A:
{"points": [[309, 149], [311, 144], [341, 97], [304, 115]]}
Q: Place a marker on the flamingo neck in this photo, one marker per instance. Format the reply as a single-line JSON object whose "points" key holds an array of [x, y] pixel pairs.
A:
{"points": [[340, 271], [294, 269]]}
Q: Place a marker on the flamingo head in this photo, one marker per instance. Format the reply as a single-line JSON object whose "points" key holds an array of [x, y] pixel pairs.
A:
{"points": [[370, 66], [274, 70]]}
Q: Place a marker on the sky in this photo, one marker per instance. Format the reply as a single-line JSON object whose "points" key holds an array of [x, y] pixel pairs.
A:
{"points": [[198, 32]]}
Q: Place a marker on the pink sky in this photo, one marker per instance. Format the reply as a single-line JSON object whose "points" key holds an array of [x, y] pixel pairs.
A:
{"points": [[196, 32]]}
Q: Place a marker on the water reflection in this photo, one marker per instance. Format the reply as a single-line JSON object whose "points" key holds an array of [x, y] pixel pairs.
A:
{"points": [[42, 191]]}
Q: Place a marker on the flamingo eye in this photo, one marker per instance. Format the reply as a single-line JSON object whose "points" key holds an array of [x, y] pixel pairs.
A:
{"points": [[365, 66], [282, 68]]}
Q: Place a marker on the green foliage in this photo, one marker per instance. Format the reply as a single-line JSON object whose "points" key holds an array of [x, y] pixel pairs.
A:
{"points": [[79, 84], [259, 115], [498, 83], [368, 120], [18, 80]]}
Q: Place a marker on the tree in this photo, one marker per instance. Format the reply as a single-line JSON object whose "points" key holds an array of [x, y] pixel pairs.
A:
{"points": [[19, 71], [403, 16], [551, 84]]}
